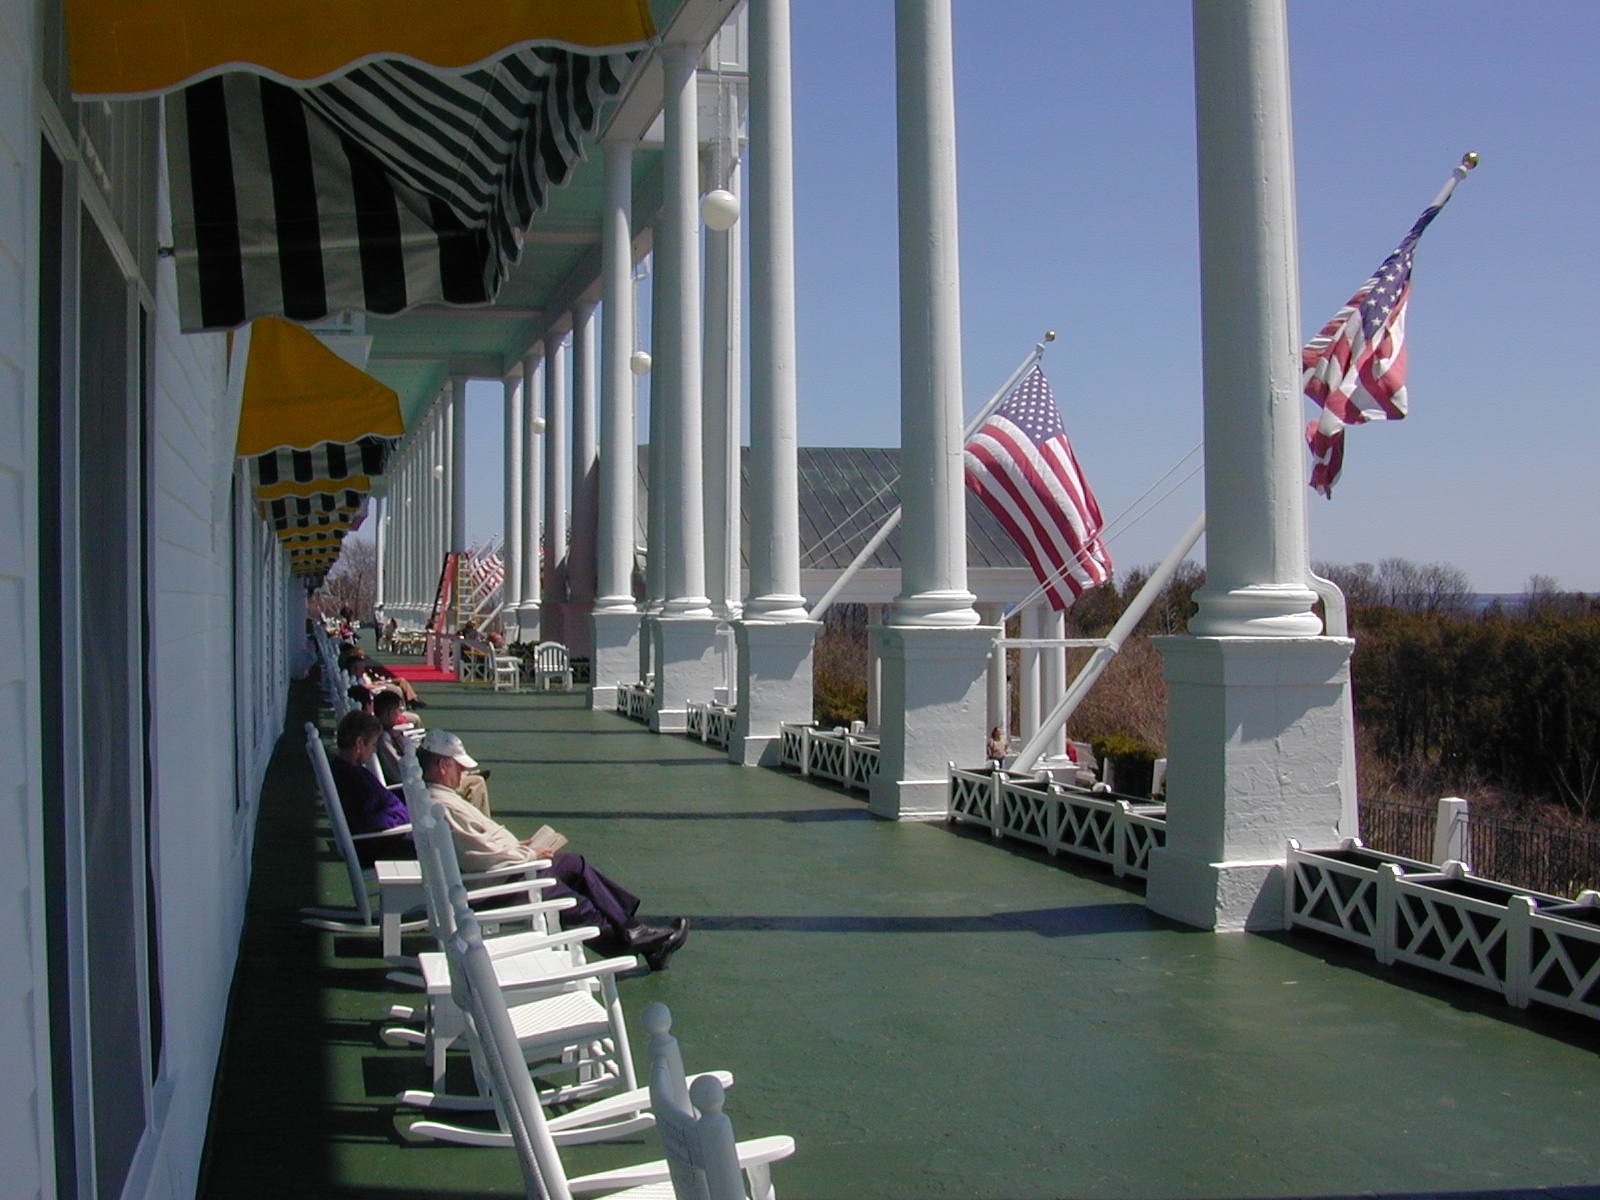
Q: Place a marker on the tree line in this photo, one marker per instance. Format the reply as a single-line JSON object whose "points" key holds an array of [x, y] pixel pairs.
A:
{"points": [[1500, 701]]}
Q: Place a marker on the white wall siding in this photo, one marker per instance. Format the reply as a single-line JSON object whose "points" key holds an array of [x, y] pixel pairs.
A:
{"points": [[24, 1071]]}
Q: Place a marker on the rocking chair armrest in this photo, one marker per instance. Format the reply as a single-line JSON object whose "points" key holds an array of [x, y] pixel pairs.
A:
{"points": [[509, 889], [620, 1105], [498, 918], [756, 1152], [392, 831], [602, 970], [507, 871]]}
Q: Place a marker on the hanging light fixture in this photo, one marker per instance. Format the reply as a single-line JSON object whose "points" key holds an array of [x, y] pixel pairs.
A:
{"points": [[639, 362], [719, 208]]}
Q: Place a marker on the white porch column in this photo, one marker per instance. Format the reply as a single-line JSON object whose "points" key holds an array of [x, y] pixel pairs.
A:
{"points": [[1258, 725], [996, 710], [775, 638], [720, 414], [614, 625], [556, 450], [1028, 689], [655, 517], [380, 547], [934, 650], [1053, 670], [585, 484], [532, 496], [683, 635], [511, 527], [438, 501], [458, 463], [874, 667]]}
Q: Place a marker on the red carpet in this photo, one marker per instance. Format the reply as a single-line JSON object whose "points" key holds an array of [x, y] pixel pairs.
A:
{"points": [[421, 673]]}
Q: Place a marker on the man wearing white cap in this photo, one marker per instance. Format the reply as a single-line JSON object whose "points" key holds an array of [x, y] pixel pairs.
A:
{"points": [[482, 842]]}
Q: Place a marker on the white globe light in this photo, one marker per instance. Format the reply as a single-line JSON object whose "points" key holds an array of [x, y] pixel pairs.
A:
{"points": [[639, 364], [438, 471], [719, 209], [538, 424]]}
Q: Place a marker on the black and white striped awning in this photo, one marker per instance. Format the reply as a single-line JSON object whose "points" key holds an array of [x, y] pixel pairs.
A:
{"points": [[393, 185], [312, 512], [332, 462]]}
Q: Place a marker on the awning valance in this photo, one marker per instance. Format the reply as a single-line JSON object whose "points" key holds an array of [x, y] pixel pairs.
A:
{"points": [[301, 396], [126, 48], [391, 186]]}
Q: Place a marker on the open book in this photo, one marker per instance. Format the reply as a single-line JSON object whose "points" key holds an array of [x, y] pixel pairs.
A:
{"points": [[548, 839]]}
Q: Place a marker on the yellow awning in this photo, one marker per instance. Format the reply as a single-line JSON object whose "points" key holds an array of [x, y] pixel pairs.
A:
{"points": [[141, 47], [299, 394]]}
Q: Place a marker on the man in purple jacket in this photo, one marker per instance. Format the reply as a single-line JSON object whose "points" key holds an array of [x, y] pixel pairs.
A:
{"points": [[369, 807]]}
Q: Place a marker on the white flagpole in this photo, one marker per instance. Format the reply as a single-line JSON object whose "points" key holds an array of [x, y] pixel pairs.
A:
{"points": [[1126, 624], [892, 521]]}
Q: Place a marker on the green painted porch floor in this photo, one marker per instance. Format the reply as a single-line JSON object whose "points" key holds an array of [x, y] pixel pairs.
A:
{"points": [[928, 1014]]}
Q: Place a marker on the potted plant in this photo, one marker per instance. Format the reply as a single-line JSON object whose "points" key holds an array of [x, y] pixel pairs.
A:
{"points": [[1127, 763]]}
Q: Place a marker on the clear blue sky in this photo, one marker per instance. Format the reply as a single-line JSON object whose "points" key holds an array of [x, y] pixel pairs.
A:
{"points": [[1077, 198]]}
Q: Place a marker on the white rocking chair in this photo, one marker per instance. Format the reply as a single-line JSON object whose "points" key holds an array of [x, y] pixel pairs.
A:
{"points": [[551, 664]]}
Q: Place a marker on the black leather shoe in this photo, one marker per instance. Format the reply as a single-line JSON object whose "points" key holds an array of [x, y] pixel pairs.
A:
{"points": [[656, 955], [642, 937]]}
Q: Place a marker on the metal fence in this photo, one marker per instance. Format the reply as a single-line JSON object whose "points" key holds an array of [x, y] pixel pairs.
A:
{"points": [[1560, 859], [1563, 859], [1398, 828]]}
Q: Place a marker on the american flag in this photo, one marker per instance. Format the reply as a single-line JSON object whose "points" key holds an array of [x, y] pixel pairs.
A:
{"points": [[1021, 465], [488, 571], [1355, 369]]}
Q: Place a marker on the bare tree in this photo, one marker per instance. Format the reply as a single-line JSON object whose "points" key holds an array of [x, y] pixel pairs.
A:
{"points": [[353, 582], [1358, 582], [1436, 588]]}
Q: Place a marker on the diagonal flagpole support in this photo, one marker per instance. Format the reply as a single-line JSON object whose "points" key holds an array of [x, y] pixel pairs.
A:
{"points": [[892, 521], [1108, 648]]}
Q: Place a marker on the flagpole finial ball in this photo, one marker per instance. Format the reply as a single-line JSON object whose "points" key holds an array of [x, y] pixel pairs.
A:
{"points": [[1049, 335], [1469, 159]]}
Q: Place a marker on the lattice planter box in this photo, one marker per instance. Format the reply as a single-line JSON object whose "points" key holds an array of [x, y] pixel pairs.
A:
{"points": [[1528, 946], [791, 746], [970, 797], [1343, 892], [848, 759], [1099, 826]]}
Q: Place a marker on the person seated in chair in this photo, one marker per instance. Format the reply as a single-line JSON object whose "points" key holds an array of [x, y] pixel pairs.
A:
{"points": [[482, 843], [379, 678], [392, 747], [369, 807]]}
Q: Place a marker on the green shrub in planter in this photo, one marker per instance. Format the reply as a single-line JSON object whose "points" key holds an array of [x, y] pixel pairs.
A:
{"points": [[1134, 758]]}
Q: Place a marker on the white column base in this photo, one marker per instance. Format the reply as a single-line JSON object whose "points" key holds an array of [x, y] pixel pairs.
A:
{"points": [[774, 674], [1227, 897], [688, 666], [1258, 737], [614, 634], [527, 620], [935, 703]]}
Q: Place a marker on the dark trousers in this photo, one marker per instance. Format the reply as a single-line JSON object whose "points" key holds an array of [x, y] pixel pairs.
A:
{"points": [[600, 901]]}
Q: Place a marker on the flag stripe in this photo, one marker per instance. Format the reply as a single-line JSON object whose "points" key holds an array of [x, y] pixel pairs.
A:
{"points": [[1021, 465]]}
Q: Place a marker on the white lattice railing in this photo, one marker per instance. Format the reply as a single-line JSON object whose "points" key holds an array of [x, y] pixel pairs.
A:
{"points": [[1523, 944], [848, 759], [1059, 817], [635, 700], [711, 722], [791, 746]]}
